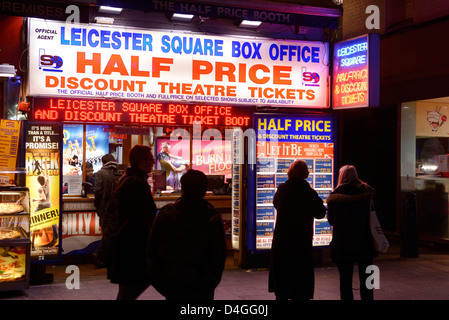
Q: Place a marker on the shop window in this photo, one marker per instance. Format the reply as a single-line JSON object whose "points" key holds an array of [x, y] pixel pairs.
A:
{"points": [[209, 152], [83, 148], [425, 163]]}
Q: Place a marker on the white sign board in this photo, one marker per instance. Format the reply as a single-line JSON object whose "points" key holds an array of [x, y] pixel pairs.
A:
{"points": [[118, 62]]}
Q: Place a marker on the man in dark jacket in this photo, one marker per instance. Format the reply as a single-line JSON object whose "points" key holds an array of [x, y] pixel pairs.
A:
{"points": [[136, 211], [105, 181], [187, 247]]}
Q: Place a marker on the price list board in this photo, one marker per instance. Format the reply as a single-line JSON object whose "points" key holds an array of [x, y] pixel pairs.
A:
{"points": [[281, 141]]}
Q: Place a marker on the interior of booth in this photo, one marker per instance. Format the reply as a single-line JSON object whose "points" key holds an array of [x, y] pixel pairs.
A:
{"points": [[175, 151]]}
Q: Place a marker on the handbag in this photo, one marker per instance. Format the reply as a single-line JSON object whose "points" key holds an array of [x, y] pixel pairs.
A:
{"points": [[380, 242]]}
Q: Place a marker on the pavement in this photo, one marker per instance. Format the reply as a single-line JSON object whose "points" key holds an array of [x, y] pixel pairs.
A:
{"points": [[423, 278]]}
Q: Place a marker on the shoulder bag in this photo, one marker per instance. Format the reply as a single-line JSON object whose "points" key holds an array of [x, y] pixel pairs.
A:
{"points": [[380, 242]]}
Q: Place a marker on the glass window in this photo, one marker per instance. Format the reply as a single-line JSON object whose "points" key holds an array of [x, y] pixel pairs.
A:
{"points": [[425, 163]]}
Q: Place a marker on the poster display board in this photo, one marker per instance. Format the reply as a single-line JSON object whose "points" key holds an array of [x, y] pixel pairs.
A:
{"points": [[280, 141], [42, 162]]}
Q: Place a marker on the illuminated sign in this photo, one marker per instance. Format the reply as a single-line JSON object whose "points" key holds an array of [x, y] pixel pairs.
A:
{"points": [[356, 72], [280, 141], [138, 112], [122, 63]]}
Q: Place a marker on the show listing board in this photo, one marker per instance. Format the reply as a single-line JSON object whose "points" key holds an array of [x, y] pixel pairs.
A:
{"points": [[281, 141]]}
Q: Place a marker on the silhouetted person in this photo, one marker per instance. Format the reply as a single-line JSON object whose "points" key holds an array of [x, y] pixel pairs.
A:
{"points": [[291, 263], [348, 209], [187, 247], [136, 212], [105, 180]]}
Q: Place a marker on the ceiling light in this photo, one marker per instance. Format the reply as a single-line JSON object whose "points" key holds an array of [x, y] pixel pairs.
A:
{"points": [[104, 20], [7, 70], [110, 10], [182, 17], [250, 24]]}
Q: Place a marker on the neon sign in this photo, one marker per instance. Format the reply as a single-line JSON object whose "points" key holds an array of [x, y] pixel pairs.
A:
{"points": [[356, 72], [108, 111]]}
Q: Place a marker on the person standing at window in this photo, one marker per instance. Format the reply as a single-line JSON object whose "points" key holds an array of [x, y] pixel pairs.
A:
{"points": [[348, 212], [291, 273], [136, 212]]}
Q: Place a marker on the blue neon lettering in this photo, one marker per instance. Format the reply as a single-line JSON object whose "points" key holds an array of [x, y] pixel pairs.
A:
{"points": [[358, 47]]}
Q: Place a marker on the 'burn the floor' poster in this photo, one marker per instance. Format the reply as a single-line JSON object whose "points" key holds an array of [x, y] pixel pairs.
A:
{"points": [[42, 162]]}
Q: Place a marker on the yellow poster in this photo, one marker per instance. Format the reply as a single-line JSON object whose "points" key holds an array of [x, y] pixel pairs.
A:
{"points": [[9, 142], [42, 162]]}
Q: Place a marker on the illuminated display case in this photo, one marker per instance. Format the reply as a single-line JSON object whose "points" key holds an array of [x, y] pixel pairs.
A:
{"points": [[14, 238], [280, 141]]}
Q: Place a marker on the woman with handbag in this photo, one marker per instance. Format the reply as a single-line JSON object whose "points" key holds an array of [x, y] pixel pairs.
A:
{"points": [[348, 209]]}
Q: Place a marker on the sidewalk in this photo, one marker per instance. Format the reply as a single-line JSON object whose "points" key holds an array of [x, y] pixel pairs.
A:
{"points": [[423, 278]]}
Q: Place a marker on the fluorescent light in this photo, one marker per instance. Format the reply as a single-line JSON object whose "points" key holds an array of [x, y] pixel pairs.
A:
{"points": [[182, 17], [110, 10], [250, 24], [7, 70], [104, 20]]}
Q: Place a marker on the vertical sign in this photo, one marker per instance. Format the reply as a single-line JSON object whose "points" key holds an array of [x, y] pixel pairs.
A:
{"points": [[42, 162], [280, 141], [356, 72], [236, 189]]}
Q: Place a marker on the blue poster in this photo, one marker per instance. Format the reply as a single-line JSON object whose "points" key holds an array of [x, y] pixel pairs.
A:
{"points": [[97, 145], [72, 149]]}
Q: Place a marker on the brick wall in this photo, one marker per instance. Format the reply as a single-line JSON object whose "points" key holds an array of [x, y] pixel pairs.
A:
{"points": [[354, 17], [394, 14]]}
